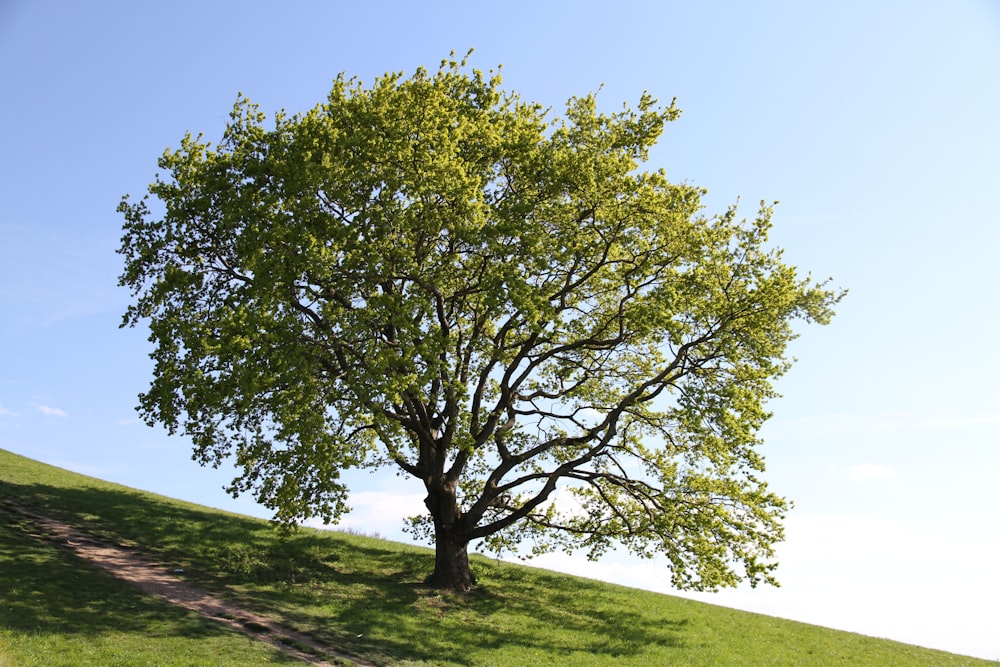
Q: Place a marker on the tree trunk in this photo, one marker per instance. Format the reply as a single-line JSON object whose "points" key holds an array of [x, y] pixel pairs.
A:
{"points": [[451, 557], [451, 562]]}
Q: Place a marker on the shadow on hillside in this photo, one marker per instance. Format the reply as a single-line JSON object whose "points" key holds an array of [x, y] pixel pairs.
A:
{"points": [[385, 611], [169, 528], [47, 590], [348, 591]]}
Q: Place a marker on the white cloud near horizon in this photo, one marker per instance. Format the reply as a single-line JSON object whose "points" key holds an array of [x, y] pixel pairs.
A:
{"points": [[862, 471], [844, 572], [51, 412], [851, 573], [378, 512]]}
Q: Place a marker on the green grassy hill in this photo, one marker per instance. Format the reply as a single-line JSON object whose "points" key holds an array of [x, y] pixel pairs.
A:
{"points": [[360, 594]]}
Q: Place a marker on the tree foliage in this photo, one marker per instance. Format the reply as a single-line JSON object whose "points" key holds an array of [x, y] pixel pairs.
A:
{"points": [[434, 275]]}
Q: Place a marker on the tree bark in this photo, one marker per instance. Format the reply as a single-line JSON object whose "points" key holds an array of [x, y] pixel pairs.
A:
{"points": [[451, 563], [451, 556]]}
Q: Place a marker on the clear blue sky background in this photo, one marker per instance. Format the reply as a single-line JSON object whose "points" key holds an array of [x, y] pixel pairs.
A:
{"points": [[875, 123]]}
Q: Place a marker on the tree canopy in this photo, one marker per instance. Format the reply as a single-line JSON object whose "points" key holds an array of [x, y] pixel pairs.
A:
{"points": [[433, 275]]}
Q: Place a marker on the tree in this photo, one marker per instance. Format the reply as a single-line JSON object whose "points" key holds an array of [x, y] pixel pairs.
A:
{"points": [[433, 275]]}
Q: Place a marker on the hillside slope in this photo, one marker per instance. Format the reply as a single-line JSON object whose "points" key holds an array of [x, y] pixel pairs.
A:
{"points": [[361, 594]]}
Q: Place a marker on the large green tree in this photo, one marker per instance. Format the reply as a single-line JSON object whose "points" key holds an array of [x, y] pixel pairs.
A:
{"points": [[433, 275]]}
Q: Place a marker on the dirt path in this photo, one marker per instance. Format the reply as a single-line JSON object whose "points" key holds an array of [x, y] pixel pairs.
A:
{"points": [[133, 567]]}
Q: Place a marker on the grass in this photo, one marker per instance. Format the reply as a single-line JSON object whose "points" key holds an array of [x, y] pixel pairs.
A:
{"points": [[361, 594], [57, 610]]}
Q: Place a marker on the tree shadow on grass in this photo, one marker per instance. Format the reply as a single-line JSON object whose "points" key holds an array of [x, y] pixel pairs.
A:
{"points": [[170, 529], [383, 610], [363, 595], [47, 589]]}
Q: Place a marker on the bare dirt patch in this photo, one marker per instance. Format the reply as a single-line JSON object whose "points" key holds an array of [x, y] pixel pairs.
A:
{"points": [[156, 579]]}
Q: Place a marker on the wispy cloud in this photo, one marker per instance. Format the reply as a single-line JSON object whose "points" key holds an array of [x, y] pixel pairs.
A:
{"points": [[863, 471], [948, 422], [4, 412], [839, 424], [52, 412]]}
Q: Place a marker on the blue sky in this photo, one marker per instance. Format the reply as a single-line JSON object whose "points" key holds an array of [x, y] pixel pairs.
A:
{"points": [[876, 125]]}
